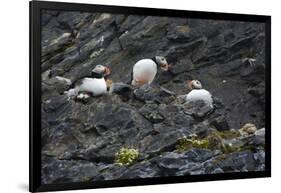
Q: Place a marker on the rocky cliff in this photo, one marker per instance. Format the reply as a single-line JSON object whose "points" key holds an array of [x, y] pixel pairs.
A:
{"points": [[80, 141]]}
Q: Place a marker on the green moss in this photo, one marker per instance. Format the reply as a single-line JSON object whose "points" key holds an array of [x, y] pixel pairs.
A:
{"points": [[215, 140], [201, 143], [126, 156], [183, 144], [187, 143], [228, 134], [229, 148]]}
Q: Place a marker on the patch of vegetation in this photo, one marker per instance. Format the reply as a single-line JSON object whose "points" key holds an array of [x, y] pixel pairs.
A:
{"points": [[126, 156], [228, 134], [229, 148], [187, 143], [215, 140]]}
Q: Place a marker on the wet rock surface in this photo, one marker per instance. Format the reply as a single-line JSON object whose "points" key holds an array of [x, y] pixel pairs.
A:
{"points": [[80, 140]]}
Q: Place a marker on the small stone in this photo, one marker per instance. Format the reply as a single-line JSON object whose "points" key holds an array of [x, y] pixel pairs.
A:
{"points": [[150, 112], [198, 109], [260, 132], [154, 93], [220, 123], [248, 129]]}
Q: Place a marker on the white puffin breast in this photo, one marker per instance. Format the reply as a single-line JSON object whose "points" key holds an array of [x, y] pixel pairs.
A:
{"points": [[96, 86], [145, 67], [199, 94]]}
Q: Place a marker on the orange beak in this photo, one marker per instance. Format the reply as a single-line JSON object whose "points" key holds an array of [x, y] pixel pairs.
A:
{"points": [[166, 67], [107, 71]]}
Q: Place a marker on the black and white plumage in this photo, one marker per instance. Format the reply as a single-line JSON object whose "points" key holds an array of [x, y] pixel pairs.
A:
{"points": [[145, 70], [198, 93], [94, 85]]}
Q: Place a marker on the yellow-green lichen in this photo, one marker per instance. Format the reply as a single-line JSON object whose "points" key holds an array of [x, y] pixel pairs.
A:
{"points": [[214, 140], [187, 143], [126, 156]]}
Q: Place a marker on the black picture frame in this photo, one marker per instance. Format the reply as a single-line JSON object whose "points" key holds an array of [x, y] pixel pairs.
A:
{"points": [[35, 95]]}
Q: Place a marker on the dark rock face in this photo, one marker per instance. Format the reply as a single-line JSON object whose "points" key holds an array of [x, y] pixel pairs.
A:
{"points": [[79, 141], [60, 171], [155, 94], [220, 123]]}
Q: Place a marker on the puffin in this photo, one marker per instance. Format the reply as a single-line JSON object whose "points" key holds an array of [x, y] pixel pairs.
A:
{"points": [[145, 70], [95, 85], [198, 93]]}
